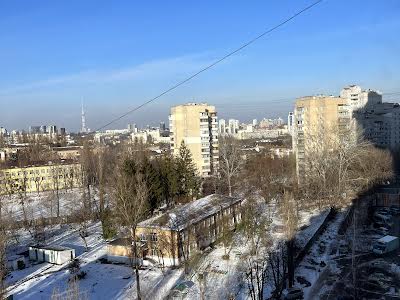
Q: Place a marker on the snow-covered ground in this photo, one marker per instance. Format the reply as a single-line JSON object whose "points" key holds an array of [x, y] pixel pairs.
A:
{"points": [[225, 278], [42, 205], [103, 281], [109, 281], [317, 265]]}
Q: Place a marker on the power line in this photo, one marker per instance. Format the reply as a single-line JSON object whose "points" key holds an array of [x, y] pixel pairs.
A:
{"points": [[213, 64]]}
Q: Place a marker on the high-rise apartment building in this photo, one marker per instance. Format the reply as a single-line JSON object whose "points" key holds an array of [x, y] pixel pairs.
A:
{"points": [[358, 99], [233, 126], [162, 126], [377, 121], [52, 129], [3, 131], [196, 125], [34, 129], [290, 123], [317, 120], [222, 126]]}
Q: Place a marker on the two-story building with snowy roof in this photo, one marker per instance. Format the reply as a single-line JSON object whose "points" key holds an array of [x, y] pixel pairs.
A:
{"points": [[172, 237]]}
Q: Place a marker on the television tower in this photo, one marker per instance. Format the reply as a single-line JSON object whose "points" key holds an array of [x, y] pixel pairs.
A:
{"points": [[83, 120]]}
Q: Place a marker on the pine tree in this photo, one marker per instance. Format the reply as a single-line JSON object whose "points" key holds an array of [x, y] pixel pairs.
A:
{"points": [[152, 177], [169, 179], [188, 181]]}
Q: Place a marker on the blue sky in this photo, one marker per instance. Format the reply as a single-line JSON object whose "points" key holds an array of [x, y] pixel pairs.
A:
{"points": [[117, 54]]}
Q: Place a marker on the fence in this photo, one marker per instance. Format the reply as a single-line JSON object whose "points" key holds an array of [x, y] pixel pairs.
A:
{"points": [[348, 218], [300, 255]]}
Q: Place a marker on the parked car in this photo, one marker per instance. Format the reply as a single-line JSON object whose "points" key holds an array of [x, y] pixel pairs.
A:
{"points": [[385, 245], [385, 220], [374, 284], [293, 293], [383, 210], [395, 210], [379, 224], [379, 276], [382, 230], [382, 216]]}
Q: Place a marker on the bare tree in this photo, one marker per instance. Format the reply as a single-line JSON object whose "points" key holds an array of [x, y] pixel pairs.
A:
{"points": [[56, 185], [288, 212], [3, 265], [130, 202], [277, 266], [81, 216], [269, 175], [230, 160], [255, 277], [339, 164], [226, 226], [72, 292], [255, 224]]}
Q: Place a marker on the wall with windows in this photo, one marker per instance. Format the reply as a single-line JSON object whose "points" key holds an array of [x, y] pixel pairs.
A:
{"points": [[40, 178], [172, 247]]}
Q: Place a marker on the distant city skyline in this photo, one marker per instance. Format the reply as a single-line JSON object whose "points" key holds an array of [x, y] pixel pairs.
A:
{"points": [[116, 57]]}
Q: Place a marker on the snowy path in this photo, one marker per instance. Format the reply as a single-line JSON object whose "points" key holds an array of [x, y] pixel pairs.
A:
{"points": [[317, 266]]}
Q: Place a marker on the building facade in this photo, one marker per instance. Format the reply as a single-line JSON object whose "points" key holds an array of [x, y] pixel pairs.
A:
{"points": [[222, 126], [290, 123], [40, 178], [360, 100], [317, 120], [196, 125], [173, 237], [233, 126]]}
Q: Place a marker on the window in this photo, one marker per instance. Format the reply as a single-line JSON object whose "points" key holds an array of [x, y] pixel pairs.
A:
{"points": [[143, 237], [154, 252], [153, 237]]}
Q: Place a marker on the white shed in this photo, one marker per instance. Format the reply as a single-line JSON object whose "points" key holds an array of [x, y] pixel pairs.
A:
{"points": [[52, 254], [16, 262]]}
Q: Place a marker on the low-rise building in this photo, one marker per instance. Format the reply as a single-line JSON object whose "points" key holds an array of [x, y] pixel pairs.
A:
{"points": [[70, 152], [52, 254], [173, 237], [261, 133], [37, 178]]}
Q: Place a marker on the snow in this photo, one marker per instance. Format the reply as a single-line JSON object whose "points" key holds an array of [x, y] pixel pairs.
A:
{"points": [[310, 221], [40, 206], [318, 264], [103, 281], [224, 277], [190, 213]]}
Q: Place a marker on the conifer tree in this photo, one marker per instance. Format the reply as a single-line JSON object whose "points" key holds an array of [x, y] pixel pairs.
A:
{"points": [[188, 181], [169, 179]]}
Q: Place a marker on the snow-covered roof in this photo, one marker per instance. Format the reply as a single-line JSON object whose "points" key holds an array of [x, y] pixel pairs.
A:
{"points": [[190, 213], [387, 239], [54, 248]]}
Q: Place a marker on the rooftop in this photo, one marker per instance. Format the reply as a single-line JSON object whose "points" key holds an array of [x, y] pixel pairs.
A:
{"points": [[387, 239], [190, 213], [16, 165], [55, 247]]}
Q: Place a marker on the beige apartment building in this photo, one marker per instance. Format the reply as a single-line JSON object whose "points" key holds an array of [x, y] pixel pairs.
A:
{"points": [[196, 125], [316, 120], [38, 178]]}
